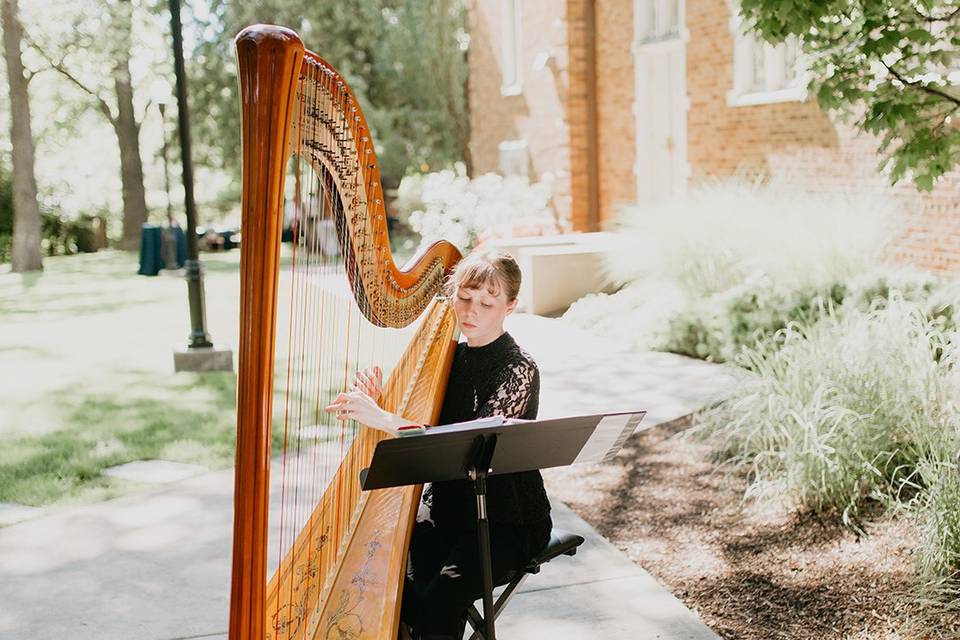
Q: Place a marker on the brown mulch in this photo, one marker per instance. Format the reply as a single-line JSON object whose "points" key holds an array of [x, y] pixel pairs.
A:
{"points": [[750, 573]]}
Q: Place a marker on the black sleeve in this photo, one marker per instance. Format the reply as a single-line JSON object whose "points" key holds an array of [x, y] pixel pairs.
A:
{"points": [[511, 398]]}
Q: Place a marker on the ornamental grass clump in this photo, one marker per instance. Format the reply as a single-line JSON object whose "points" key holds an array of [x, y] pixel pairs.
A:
{"points": [[722, 233], [839, 412], [938, 476]]}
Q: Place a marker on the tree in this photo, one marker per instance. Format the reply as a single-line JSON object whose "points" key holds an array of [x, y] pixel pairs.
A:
{"points": [[404, 59], [889, 64], [25, 252], [99, 35]]}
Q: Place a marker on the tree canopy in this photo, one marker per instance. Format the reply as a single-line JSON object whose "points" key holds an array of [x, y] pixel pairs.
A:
{"points": [[891, 65], [404, 59]]}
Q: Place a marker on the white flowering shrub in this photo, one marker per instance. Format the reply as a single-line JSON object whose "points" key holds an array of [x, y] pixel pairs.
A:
{"points": [[449, 205]]}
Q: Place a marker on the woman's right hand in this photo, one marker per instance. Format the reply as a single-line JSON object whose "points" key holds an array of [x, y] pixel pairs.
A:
{"points": [[369, 381]]}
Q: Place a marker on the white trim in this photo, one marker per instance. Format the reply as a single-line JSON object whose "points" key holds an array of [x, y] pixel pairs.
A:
{"points": [[511, 48], [790, 94], [748, 52]]}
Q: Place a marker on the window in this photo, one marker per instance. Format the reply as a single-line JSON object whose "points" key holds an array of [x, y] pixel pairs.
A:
{"points": [[763, 73], [657, 20], [510, 49]]}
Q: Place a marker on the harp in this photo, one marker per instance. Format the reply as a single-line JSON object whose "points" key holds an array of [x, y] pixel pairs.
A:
{"points": [[341, 555]]}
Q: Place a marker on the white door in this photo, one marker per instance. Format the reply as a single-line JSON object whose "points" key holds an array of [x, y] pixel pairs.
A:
{"points": [[661, 99]]}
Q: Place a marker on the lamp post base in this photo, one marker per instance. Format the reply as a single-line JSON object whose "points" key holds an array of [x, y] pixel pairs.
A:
{"points": [[203, 359]]}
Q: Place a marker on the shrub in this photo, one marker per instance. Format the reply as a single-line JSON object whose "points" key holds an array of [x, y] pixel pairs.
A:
{"points": [[65, 236], [723, 233], [753, 313], [718, 327], [745, 259], [846, 409], [449, 205]]}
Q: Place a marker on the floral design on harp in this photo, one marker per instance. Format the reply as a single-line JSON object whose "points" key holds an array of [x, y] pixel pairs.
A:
{"points": [[343, 624], [288, 619]]}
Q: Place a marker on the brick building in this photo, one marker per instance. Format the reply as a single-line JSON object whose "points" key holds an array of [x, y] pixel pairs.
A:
{"points": [[621, 101]]}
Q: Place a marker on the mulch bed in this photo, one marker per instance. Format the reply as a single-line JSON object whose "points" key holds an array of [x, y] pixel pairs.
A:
{"points": [[750, 573]]}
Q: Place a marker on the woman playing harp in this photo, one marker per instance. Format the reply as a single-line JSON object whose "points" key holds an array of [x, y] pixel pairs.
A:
{"points": [[491, 375]]}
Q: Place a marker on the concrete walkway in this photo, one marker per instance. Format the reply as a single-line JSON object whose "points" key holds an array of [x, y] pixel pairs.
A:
{"points": [[155, 565]]}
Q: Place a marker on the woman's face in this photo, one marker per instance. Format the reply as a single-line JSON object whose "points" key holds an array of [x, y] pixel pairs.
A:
{"points": [[481, 312]]}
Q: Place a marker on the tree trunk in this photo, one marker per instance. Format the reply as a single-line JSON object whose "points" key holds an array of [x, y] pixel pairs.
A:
{"points": [[25, 253], [131, 167]]}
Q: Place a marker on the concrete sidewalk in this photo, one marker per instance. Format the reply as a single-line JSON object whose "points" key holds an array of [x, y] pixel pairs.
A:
{"points": [[155, 565]]}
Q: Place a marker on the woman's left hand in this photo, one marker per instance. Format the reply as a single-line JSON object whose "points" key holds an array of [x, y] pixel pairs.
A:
{"points": [[357, 405]]}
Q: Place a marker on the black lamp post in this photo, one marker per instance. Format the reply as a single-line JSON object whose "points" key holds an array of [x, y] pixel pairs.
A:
{"points": [[200, 355], [160, 94], [198, 312]]}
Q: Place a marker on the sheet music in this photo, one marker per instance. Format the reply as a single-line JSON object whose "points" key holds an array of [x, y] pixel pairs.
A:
{"points": [[609, 435], [492, 421]]}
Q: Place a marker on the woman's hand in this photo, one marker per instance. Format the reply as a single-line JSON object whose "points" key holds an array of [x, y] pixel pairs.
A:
{"points": [[357, 405], [369, 381]]}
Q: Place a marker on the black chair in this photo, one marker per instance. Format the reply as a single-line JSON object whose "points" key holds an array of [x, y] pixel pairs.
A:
{"points": [[561, 543]]}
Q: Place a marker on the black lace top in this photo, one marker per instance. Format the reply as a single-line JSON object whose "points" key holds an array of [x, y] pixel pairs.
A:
{"points": [[499, 378]]}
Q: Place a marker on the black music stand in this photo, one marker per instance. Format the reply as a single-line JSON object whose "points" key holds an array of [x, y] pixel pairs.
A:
{"points": [[455, 452]]}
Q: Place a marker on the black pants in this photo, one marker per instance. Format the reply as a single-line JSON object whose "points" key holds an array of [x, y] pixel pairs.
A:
{"points": [[446, 575]]}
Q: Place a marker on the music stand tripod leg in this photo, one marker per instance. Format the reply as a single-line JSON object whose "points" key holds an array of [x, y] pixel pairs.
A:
{"points": [[483, 454]]}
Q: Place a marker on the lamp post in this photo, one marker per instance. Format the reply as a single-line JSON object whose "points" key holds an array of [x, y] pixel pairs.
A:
{"points": [[200, 354], [161, 95]]}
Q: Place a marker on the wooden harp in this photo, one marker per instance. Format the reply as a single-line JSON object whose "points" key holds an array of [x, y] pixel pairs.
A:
{"points": [[342, 553]]}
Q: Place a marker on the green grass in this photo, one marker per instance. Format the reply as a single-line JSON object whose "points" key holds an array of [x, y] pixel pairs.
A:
{"points": [[187, 418]]}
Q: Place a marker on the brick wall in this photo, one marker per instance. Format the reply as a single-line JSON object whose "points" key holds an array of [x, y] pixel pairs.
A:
{"points": [[538, 113], [723, 140]]}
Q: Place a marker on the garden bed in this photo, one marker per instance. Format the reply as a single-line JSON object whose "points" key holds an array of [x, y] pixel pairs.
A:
{"points": [[751, 574]]}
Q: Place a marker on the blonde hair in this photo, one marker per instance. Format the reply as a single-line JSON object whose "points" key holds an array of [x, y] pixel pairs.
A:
{"points": [[491, 268]]}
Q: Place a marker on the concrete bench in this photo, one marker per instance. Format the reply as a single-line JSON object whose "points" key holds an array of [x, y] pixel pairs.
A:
{"points": [[559, 270]]}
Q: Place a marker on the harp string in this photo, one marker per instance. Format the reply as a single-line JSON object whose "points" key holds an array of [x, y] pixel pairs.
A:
{"points": [[329, 336]]}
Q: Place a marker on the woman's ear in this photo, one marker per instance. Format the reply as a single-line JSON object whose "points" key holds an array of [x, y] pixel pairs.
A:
{"points": [[511, 306]]}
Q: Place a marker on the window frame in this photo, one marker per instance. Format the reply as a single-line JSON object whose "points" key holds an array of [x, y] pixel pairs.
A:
{"points": [[777, 86], [511, 47]]}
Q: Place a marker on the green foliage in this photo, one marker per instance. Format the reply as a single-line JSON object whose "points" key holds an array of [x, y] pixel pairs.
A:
{"points": [[890, 64], [64, 236], [755, 314], [720, 326], [404, 60]]}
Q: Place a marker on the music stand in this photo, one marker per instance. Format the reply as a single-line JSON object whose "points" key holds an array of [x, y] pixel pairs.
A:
{"points": [[462, 451]]}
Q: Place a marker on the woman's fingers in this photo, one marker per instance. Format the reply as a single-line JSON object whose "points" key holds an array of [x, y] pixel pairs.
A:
{"points": [[337, 403]]}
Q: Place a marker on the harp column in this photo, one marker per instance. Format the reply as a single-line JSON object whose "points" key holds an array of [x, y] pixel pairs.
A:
{"points": [[269, 60]]}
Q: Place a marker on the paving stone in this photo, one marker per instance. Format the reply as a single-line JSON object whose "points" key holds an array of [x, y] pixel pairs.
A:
{"points": [[155, 471]]}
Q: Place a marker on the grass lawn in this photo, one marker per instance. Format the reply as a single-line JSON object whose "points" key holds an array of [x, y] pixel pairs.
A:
{"points": [[88, 382]]}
